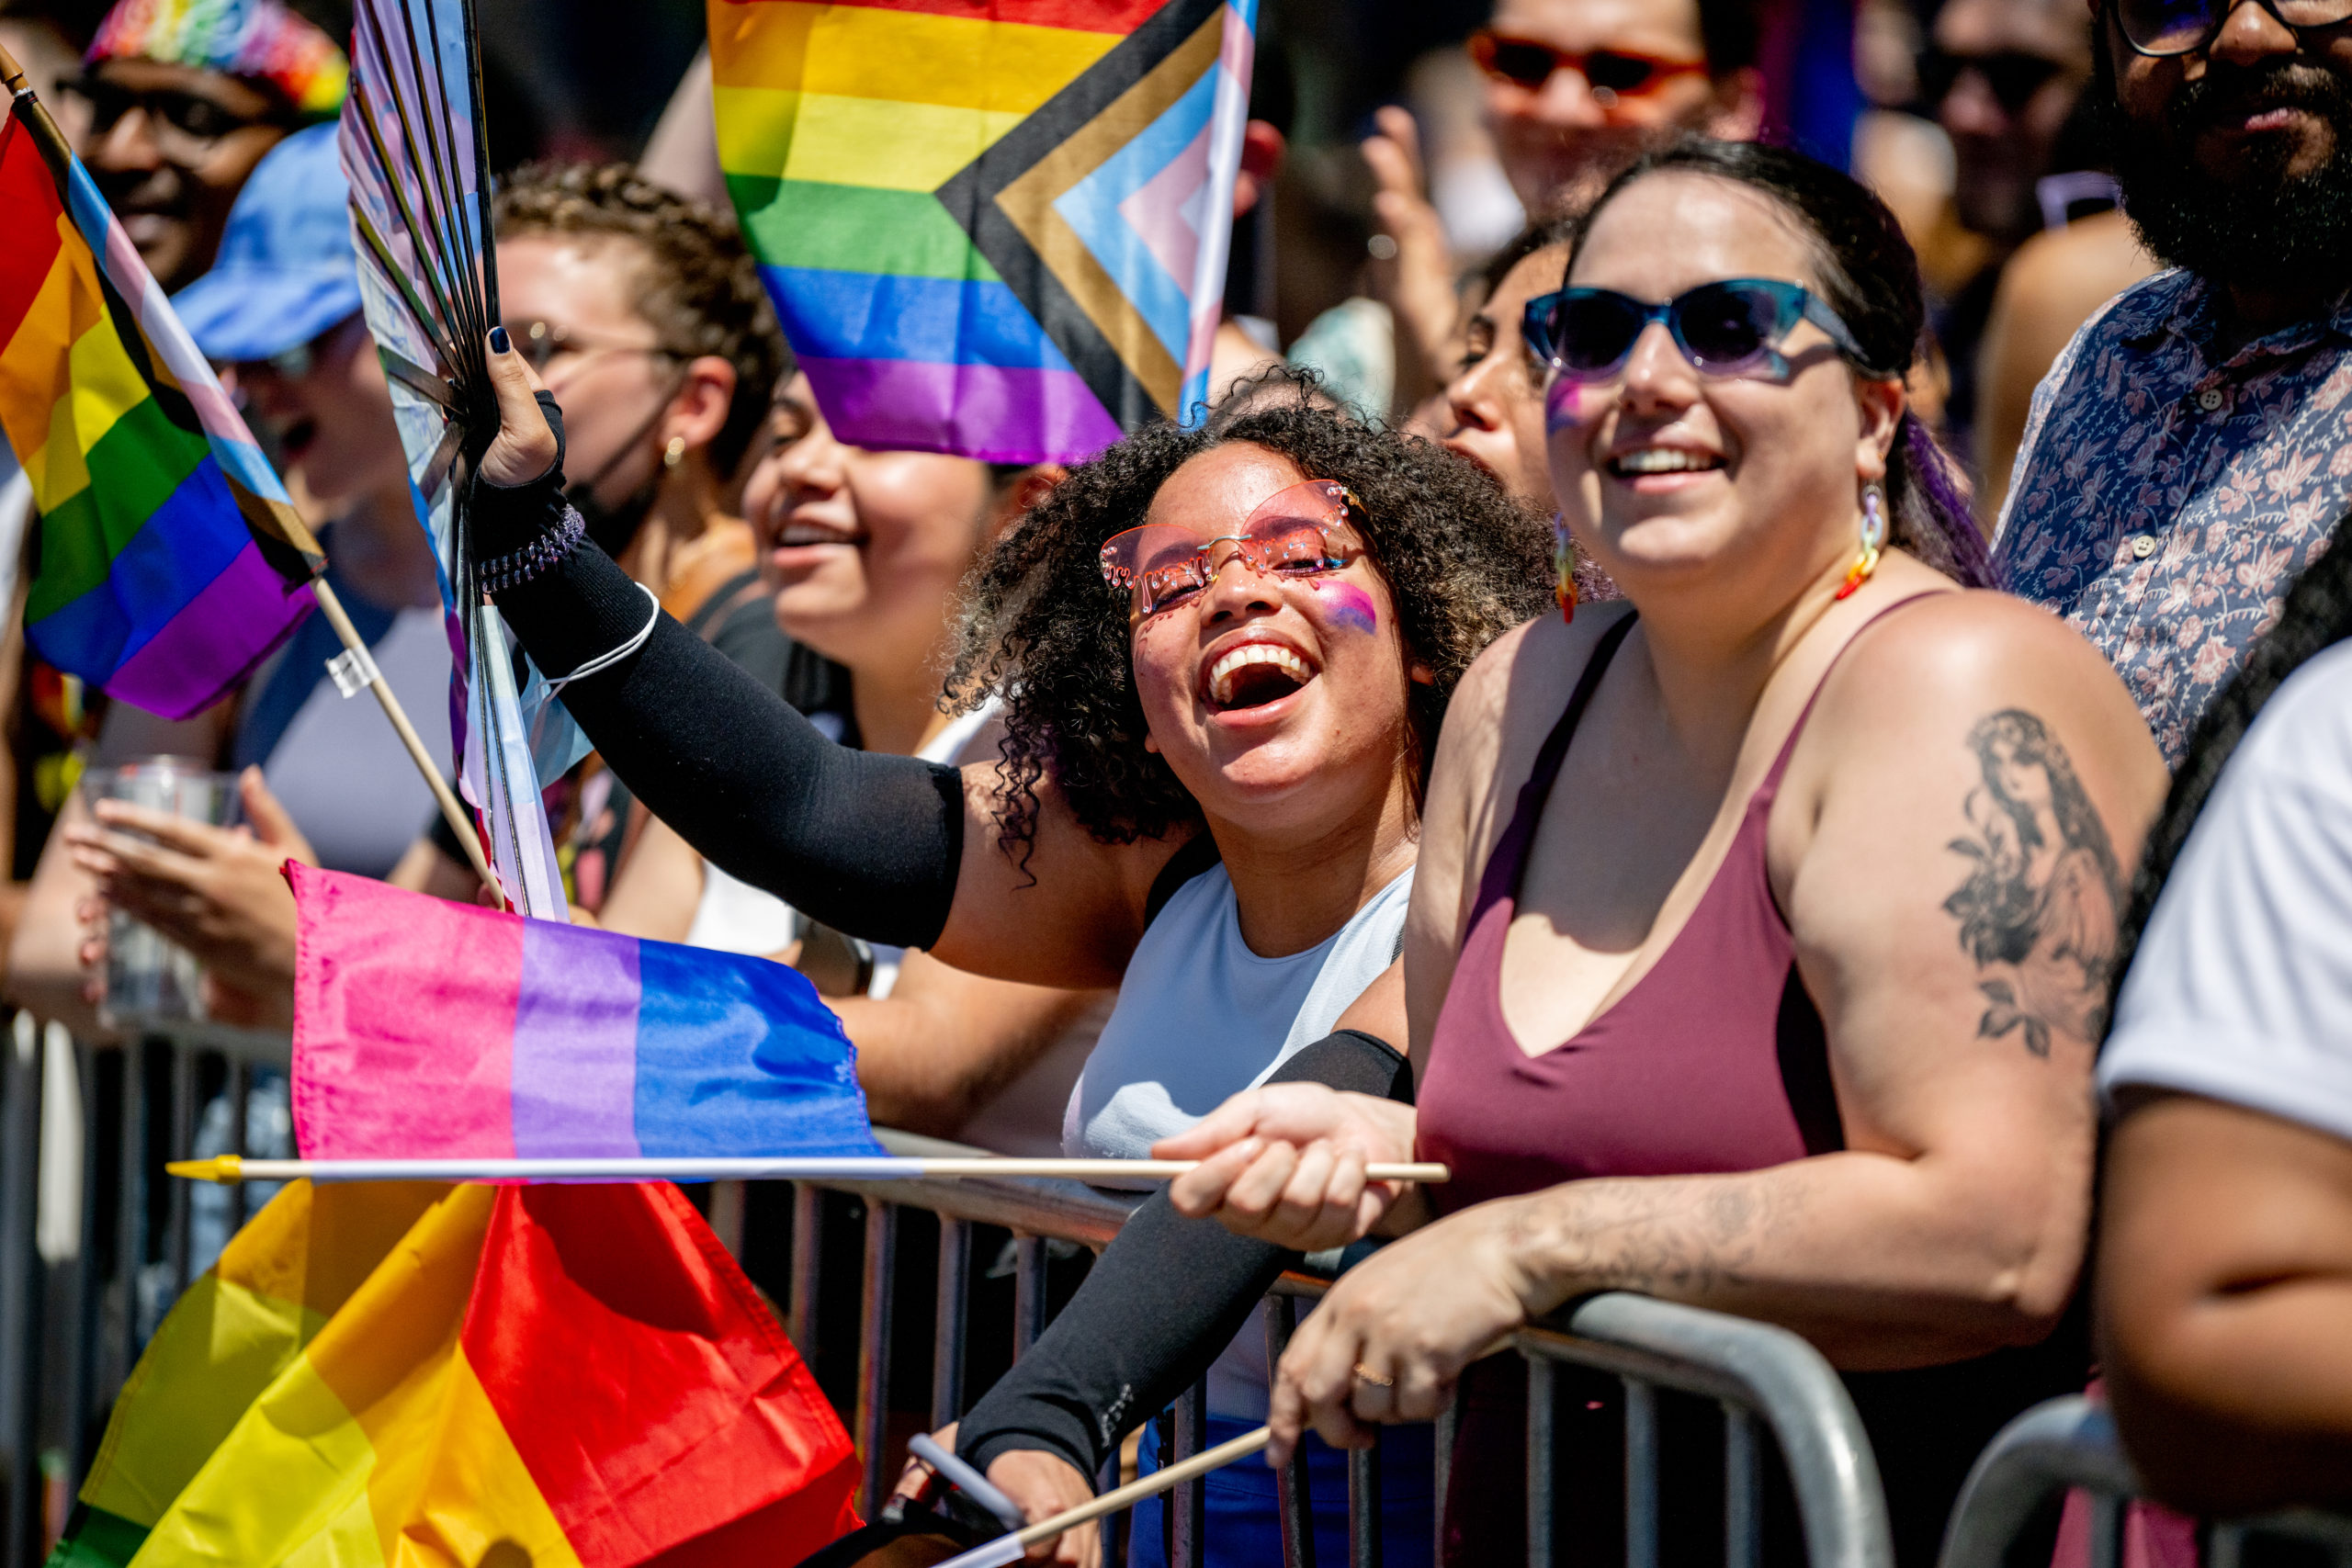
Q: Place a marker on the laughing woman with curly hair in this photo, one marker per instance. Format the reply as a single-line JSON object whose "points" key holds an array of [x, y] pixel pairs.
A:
{"points": [[1224, 654]]}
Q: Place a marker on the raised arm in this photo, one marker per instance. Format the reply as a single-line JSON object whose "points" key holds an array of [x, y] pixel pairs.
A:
{"points": [[887, 848]]}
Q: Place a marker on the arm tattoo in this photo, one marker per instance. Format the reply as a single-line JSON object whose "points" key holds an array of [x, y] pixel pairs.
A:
{"points": [[1688, 1237], [2038, 911]]}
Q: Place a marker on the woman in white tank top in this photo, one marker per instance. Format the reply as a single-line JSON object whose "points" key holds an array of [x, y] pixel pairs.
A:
{"points": [[1233, 643]]}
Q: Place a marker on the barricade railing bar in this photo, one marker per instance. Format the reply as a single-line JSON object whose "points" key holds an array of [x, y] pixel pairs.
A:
{"points": [[75, 1308], [1758, 1373], [2066, 1444]]}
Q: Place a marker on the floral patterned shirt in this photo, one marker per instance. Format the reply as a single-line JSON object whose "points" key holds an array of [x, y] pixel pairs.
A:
{"points": [[2162, 504]]}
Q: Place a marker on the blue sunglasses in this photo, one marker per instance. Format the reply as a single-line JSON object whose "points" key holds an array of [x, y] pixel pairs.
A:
{"points": [[1731, 328]]}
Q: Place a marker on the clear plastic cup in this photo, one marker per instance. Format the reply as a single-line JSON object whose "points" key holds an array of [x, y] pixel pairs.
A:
{"points": [[149, 979]]}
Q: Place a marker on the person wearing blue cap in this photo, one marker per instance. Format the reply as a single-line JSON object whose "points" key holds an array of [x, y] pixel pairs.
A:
{"points": [[324, 778]]}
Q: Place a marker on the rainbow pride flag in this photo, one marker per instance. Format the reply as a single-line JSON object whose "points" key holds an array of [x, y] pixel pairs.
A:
{"points": [[991, 227], [426, 1030], [168, 560], [395, 1373]]}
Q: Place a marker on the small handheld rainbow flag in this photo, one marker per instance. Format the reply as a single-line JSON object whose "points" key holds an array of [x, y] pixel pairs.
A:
{"points": [[991, 227], [426, 1030], [577, 1377], [168, 560]]}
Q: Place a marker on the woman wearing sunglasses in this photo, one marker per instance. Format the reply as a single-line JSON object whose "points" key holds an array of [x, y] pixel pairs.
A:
{"points": [[1760, 939], [1224, 654]]}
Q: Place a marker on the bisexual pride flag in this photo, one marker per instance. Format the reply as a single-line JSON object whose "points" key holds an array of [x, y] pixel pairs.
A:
{"points": [[426, 1030], [167, 561], [995, 228]]}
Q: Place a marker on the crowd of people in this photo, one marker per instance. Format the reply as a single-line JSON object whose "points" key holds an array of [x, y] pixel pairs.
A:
{"points": [[1792, 737]]}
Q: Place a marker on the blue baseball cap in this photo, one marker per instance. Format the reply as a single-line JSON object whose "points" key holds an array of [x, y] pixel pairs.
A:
{"points": [[286, 271]]}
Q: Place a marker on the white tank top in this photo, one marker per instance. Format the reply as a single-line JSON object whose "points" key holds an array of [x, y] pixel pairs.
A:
{"points": [[1200, 1018]]}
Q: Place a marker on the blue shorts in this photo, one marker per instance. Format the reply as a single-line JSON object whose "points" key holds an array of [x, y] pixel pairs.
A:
{"points": [[1244, 1530]]}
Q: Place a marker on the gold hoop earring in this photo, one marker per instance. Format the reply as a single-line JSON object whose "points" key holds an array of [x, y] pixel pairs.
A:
{"points": [[1874, 540], [675, 453]]}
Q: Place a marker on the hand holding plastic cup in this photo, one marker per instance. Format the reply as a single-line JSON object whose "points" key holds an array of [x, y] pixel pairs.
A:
{"points": [[147, 979]]}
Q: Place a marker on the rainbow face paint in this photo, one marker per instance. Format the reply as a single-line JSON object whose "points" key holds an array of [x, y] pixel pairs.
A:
{"points": [[1351, 608], [1564, 403]]}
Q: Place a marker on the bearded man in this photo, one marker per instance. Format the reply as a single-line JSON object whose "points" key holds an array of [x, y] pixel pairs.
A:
{"points": [[2190, 451]]}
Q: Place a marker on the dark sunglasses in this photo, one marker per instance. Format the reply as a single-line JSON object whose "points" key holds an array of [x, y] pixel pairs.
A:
{"points": [[1621, 74], [190, 114], [2161, 28], [2012, 76], [1723, 329]]}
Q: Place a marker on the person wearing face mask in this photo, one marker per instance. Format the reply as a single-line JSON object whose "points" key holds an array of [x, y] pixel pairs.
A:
{"points": [[326, 779], [1222, 653], [1759, 950], [860, 553], [644, 313], [321, 395]]}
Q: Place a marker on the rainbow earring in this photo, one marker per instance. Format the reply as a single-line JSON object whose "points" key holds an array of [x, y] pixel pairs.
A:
{"points": [[1564, 569], [1874, 540]]}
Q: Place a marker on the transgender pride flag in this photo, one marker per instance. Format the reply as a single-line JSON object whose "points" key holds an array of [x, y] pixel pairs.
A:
{"points": [[426, 1030], [995, 228]]}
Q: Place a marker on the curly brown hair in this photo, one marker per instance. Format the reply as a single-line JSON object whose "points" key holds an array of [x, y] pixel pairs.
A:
{"points": [[699, 289], [1464, 562]]}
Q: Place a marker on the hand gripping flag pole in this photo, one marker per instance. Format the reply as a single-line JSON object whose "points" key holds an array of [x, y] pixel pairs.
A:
{"points": [[248, 488], [229, 1169], [1008, 1549]]}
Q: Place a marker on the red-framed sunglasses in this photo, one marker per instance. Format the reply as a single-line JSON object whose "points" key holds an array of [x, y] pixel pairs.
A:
{"points": [[1612, 74]]}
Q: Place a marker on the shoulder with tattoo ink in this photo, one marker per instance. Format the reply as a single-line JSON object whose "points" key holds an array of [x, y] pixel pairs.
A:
{"points": [[2017, 750], [2041, 891]]}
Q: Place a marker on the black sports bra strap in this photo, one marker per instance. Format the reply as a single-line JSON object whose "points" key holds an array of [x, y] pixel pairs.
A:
{"points": [[1555, 749], [1507, 860]]}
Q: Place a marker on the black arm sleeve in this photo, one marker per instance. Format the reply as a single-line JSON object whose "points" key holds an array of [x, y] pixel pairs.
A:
{"points": [[1162, 1301], [866, 843]]}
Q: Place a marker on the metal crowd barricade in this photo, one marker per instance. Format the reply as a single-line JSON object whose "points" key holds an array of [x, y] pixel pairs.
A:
{"points": [[1766, 1378], [94, 1243], [2062, 1444], [73, 1303]]}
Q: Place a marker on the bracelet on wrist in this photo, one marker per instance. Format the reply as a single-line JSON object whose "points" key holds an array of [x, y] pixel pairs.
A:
{"points": [[539, 557]]}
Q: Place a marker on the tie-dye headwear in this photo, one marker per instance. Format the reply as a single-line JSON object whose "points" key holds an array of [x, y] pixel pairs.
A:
{"points": [[260, 39]]}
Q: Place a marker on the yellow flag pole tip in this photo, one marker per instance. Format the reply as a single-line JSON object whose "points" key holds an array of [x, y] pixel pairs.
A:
{"points": [[226, 1169]]}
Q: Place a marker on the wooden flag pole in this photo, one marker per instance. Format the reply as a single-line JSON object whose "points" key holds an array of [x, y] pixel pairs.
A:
{"points": [[12, 76], [1011, 1548], [231, 1168], [452, 812]]}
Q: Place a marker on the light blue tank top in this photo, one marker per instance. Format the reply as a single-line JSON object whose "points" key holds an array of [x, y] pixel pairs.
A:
{"points": [[1199, 1019]]}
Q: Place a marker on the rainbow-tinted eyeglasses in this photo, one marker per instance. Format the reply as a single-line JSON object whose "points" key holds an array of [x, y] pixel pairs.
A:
{"points": [[1301, 531]]}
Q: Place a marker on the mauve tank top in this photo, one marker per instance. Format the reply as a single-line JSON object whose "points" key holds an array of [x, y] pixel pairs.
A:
{"points": [[1712, 1061]]}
